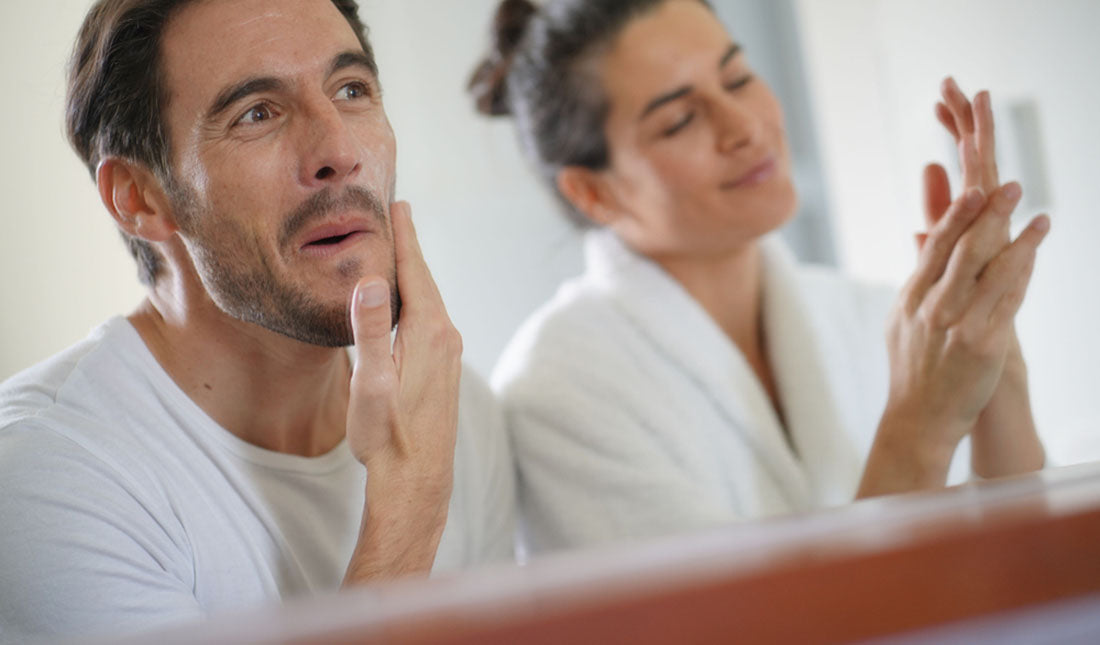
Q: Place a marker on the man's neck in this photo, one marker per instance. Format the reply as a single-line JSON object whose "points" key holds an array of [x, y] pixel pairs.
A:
{"points": [[269, 390]]}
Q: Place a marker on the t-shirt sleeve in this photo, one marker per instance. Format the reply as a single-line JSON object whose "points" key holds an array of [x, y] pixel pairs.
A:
{"points": [[490, 448], [83, 548]]}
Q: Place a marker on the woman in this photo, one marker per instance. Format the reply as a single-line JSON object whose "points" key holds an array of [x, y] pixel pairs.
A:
{"points": [[695, 374]]}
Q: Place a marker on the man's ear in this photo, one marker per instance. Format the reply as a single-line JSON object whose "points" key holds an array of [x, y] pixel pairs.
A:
{"points": [[588, 191], [134, 197]]}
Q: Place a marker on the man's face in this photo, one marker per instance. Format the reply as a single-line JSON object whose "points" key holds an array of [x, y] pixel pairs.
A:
{"points": [[283, 161]]}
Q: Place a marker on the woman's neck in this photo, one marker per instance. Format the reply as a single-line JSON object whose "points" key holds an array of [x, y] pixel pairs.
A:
{"points": [[729, 288]]}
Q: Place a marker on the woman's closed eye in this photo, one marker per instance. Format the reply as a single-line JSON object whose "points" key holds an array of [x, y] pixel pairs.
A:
{"points": [[680, 124], [739, 83]]}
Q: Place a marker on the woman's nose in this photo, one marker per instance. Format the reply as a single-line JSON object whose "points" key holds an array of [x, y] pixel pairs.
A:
{"points": [[736, 124]]}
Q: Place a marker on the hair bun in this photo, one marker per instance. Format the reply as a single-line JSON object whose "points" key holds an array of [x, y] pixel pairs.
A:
{"points": [[489, 82]]}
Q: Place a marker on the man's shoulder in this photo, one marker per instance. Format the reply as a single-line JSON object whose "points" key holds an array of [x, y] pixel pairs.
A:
{"points": [[41, 388], [96, 401]]}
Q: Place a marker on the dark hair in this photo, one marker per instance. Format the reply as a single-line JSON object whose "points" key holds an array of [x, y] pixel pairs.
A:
{"points": [[116, 95], [540, 72]]}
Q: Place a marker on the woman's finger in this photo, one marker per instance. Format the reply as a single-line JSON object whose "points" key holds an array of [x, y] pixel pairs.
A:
{"points": [[937, 194], [947, 119], [939, 243], [986, 140], [952, 296], [959, 105], [1002, 286]]}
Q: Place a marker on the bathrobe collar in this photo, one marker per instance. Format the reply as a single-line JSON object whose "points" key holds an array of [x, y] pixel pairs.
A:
{"points": [[680, 328]]}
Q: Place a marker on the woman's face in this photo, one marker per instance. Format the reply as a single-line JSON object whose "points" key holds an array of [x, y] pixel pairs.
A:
{"points": [[699, 158]]}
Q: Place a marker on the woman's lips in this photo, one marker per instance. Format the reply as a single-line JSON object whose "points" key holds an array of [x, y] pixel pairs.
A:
{"points": [[758, 175]]}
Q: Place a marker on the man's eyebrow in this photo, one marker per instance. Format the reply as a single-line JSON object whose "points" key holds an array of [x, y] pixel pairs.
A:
{"points": [[732, 52], [352, 59], [230, 95]]}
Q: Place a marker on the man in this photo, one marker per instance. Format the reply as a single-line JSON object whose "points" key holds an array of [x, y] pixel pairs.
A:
{"points": [[210, 451]]}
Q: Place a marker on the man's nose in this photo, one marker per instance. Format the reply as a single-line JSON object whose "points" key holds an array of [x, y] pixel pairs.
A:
{"points": [[330, 152]]}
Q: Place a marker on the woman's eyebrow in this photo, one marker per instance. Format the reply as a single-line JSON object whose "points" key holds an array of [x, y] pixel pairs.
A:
{"points": [[679, 93], [665, 98], [730, 54]]}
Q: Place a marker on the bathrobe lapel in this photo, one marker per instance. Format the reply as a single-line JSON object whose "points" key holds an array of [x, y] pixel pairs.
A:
{"points": [[806, 382], [680, 328]]}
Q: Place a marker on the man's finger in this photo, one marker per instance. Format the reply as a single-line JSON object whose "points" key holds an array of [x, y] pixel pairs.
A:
{"points": [[414, 280], [374, 380], [371, 323]]}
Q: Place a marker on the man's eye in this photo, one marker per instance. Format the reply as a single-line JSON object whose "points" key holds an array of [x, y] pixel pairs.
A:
{"points": [[257, 114], [353, 91]]}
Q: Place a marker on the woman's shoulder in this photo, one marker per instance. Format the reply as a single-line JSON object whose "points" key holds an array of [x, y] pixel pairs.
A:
{"points": [[576, 334]]}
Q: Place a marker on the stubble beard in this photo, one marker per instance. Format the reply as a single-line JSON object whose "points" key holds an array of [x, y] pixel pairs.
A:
{"points": [[245, 286]]}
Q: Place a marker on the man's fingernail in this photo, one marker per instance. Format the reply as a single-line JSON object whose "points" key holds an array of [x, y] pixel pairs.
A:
{"points": [[1013, 191], [372, 295]]}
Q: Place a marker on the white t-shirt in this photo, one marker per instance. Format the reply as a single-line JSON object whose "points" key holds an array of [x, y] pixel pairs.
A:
{"points": [[123, 506]]}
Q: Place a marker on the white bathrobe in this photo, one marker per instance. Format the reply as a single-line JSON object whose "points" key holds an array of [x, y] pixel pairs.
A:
{"points": [[633, 415]]}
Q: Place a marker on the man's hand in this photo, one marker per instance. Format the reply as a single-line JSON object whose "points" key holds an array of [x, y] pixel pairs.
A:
{"points": [[949, 337], [403, 414], [1004, 440]]}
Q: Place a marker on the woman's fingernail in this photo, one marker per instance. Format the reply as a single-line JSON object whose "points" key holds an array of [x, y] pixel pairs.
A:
{"points": [[974, 198], [1013, 191]]}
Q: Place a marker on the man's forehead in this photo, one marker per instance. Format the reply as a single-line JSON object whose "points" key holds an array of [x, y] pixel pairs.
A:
{"points": [[215, 41]]}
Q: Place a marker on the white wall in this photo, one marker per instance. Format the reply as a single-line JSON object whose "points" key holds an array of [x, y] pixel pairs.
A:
{"points": [[494, 238], [493, 235], [875, 67], [63, 268]]}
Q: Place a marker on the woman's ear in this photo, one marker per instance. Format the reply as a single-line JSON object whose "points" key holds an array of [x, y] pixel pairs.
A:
{"points": [[587, 190], [135, 199]]}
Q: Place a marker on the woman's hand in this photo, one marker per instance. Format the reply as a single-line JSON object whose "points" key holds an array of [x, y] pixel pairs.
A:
{"points": [[949, 338], [1004, 439]]}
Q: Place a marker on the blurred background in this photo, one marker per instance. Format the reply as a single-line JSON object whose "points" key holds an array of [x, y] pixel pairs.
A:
{"points": [[858, 79]]}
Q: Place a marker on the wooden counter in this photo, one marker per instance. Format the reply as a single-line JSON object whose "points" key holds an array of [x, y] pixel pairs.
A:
{"points": [[889, 568]]}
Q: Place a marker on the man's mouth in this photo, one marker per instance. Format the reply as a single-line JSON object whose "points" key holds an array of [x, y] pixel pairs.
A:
{"points": [[330, 241], [333, 238]]}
